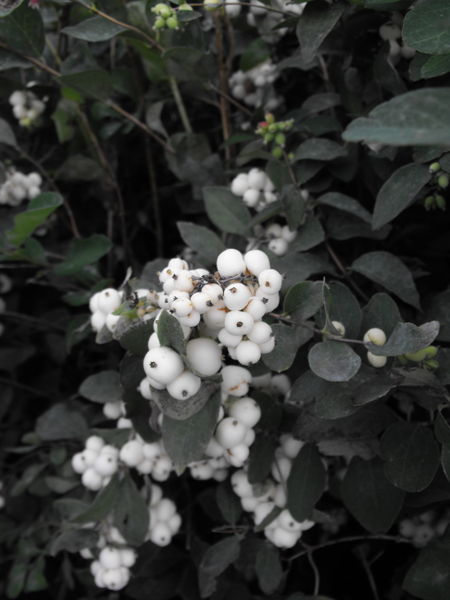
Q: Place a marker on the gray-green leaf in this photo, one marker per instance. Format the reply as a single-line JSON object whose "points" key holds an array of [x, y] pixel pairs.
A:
{"points": [[333, 361]]}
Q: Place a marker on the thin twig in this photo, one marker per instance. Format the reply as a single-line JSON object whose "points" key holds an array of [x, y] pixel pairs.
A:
{"points": [[70, 215], [223, 83], [349, 540], [152, 42], [155, 199], [115, 107], [27, 388], [180, 104], [316, 573], [331, 336], [230, 99], [337, 261], [370, 577]]}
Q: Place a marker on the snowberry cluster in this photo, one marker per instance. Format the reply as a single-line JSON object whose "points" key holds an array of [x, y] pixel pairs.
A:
{"points": [[234, 433], [102, 305], [19, 186], [96, 464], [165, 521], [254, 87], [255, 188], [273, 133], [284, 531], [423, 528], [27, 107], [147, 458], [112, 568], [391, 32], [228, 306], [267, 21], [377, 337]]}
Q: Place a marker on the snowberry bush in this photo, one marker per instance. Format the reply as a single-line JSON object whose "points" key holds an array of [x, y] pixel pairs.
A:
{"points": [[225, 299]]}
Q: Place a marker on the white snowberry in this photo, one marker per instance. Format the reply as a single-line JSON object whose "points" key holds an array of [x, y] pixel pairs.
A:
{"points": [[248, 353], [163, 364], [260, 333], [236, 296], [230, 262], [270, 281], [230, 432], [132, 453], [278, 246], [256, 261], [204, 356], [238, 322], [184, 386], [108, 300], [376, 361], [340, 327], [245, 410], [376, 336]]}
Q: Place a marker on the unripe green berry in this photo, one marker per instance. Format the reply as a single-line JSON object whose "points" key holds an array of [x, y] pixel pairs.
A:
{"points": [[160, 23], [434, 167], [428, 202], [185, 6], [172, 22], [443, 181], [431, 351], [270, 118], [432, 364], [277, 152], [273, 128], [268, 137], [440, 202], [280, 139], [418, 356]]}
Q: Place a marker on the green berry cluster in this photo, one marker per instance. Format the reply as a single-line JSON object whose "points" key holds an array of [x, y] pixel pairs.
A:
{"points": [[441, 181], [273, 133], [426, 356], [166, 16]]}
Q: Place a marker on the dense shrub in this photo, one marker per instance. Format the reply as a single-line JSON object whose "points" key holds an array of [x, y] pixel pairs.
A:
{"points": [[225, 299]]}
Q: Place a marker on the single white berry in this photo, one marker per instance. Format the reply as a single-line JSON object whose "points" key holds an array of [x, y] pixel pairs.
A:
{"points": [[238, 322], [239, 185], [89, 456], [251, 197], [78, 463], [376, 336], [178, 263], [248, 353], [256, 308], [230, 262], [287, 234], [260, 333], [270, 281], [108, 300], [215, 318], [165, 509], [278, 246], [340, 327], [144, 389], [98, 320], [163, 364], [174, 523], [106, 465], [190, 320], [376, 361], [93, 303], [236, 296], [267, 346], [94, 443], [256, 261], [230, 432], [287, 522], [92, 480], [161, 534], [202, 302], [181, 307], [235, 380], [131, 453], [283, 538], [270, 301], [115, 579], [213, 291], [112, 410], [204, 356], [184, 386], [257, 179], [240, 484], [127, 557], [109, 558], [228, 339], [245, 410], [237, 455]]}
